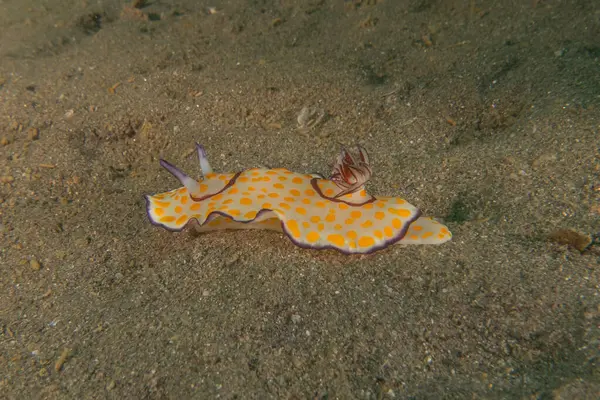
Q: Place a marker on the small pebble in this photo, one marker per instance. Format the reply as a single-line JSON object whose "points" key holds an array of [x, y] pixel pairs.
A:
{"points": [[4, 141], [64, 356], [33, 133], [572, 238], [310, 117], [6, 179], [15, 126], [35, 264]]}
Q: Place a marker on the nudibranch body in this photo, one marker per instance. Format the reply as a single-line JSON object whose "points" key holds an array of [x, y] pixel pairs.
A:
{"points": [[312, 211]]}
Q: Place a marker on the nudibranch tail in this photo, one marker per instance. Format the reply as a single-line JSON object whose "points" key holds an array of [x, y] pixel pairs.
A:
{"points": [[191, 184], [313, 212], [204, 164], [351, 172], [426, 230]]}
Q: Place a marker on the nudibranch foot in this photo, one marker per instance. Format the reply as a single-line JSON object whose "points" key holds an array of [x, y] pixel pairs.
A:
{"points": [[314, 212]]}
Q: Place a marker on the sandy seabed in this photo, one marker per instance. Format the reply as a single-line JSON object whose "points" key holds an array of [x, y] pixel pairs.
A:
{"points": [[486, 115]]}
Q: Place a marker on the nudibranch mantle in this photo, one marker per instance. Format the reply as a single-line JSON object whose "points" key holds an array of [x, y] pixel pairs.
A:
{"points": [[314, 212]]}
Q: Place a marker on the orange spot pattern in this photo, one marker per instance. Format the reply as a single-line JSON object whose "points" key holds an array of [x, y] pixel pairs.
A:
{"points": [[307, 217]]}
